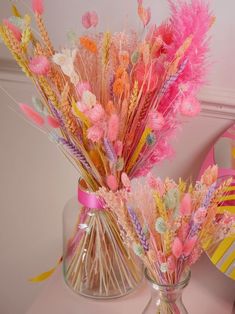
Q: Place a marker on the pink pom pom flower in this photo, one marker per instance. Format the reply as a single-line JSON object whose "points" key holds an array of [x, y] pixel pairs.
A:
{"points": [[82, 87], [95, 133], [96, 113], [15, 30], [190, 107], [90, 19], [32, 114], [40, 65], [177, 247], [37, 6]]}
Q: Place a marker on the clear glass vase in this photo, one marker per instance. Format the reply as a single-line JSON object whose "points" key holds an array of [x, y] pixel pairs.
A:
{"points": [[96, 262], [167, 299]]}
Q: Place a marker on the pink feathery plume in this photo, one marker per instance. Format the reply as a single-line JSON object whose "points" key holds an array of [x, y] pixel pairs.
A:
{"points": [[188, 19], [15, 30], [37, 6], [32, 114]]}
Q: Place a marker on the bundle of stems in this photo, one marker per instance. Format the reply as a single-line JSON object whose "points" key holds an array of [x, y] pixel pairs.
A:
{"points": [[110, 102]]}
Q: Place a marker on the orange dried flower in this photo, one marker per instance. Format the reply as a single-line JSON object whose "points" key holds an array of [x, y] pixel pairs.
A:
{"points": [[119, 72], [88, 43], [124, 58], [118, 87]]}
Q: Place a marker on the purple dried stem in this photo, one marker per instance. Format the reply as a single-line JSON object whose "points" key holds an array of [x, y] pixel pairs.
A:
{"points": [[173, 78], [209, 195], [75, 152], [109, 150], [138, 229]]}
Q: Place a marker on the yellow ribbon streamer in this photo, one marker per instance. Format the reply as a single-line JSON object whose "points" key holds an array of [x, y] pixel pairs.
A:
{"points": [[46, 274]]}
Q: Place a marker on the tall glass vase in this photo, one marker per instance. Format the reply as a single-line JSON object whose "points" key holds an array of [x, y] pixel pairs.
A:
{"points": [[166, 299], [96, 262]]}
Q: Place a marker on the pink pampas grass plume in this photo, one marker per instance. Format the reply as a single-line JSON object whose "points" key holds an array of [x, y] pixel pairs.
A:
{"points": [[40, 65], [112, 182], [53, 122], [32, 114], [189, 245], [15, 30], [186, 205], [113, 127], [118, 147], [37, 6], [177, 247]]}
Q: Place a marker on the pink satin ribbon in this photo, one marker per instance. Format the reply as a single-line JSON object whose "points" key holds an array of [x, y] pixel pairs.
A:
{"points": [[90, 200]]}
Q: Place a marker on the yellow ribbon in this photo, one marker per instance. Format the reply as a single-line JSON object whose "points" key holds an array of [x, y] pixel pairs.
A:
{"points": [[46, 274]]}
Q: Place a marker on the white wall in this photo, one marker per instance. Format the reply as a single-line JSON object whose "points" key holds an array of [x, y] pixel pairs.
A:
{"points": [[36, 180]]}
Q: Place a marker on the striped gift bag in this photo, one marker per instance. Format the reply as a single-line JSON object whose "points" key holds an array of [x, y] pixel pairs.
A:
{"points": [[222, 153]]}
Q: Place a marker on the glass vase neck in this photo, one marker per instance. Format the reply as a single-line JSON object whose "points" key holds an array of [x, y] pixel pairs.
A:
{"points": [[166, 298]]}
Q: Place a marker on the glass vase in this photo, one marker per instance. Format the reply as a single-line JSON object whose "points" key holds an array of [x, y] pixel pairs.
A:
{"points": [[166, 299], [96, 262]]}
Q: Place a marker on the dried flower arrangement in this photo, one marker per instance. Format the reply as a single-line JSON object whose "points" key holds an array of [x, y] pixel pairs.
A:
{"points": [[112, 101], [169, 224]]}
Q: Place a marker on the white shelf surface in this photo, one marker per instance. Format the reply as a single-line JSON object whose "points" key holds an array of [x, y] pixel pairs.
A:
{"points": [[209, 292]]}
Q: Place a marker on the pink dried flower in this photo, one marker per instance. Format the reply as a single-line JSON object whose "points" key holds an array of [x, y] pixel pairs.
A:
{"points": [[186, 205], [156, 184], [81, 107], [200, 215], [96, 113], [190, 107], [177, 247], [156, 120], [144, 14], [118, 147], [95, 133], [82, 87], [183, 231], [90, 19], [125, 180], [53, 122], [112, 182], [171, 263], [94, 18], [15, 30], [40, 65], [113, 127], [37, 6], [210, 175], [146, 76], [189, 245], [32, 114]]}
